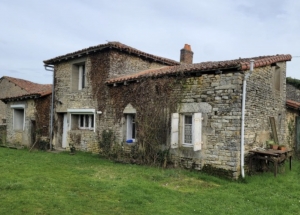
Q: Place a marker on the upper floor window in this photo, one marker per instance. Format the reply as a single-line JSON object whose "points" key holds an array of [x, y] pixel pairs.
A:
{"points": [[78, 76]]}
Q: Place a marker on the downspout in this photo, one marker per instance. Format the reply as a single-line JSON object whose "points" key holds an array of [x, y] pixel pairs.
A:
{"points": [[243, 117], [51, 68]]}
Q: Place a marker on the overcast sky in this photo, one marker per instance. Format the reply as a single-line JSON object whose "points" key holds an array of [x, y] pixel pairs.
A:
{"points": [[36, 30]]}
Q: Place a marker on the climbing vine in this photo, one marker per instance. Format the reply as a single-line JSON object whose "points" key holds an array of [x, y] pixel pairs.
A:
{"points": [[154, 102], [153, 99]]}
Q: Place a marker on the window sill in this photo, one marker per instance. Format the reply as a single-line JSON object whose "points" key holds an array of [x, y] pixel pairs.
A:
{"points": [[188, 145]]}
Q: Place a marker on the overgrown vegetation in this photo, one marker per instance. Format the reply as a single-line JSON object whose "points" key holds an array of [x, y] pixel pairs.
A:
{"points": [[2, 134], [154, 103], [293, 81], [50, 183], [291, 132], [153, 99]]}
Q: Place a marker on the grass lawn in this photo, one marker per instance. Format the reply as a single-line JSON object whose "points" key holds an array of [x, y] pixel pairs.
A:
{"points": [[50, 183]]}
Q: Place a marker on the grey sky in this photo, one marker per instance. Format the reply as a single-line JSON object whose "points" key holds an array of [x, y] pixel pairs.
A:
{"points": [[33, 31]]}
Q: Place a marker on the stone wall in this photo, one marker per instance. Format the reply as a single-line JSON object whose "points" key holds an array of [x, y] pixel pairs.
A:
{"points": [[265, 100], [21, 137], [94, 96], [292, 93], [8, 89], [218, 97], [266, 96]]}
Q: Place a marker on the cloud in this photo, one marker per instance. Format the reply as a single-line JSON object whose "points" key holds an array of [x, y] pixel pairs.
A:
{"points": [[216, 30]]}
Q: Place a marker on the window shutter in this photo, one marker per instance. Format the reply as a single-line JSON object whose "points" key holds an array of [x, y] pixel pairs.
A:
{"points": [[197, 131], [174, 130], [80, 74]]}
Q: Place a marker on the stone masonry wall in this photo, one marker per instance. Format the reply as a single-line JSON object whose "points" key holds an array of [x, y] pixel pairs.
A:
{"points": [[7, 89], [218, 97], [121, 64], [20, 137], [264, 101], [266, 97], [292, 93], [99, 67]]}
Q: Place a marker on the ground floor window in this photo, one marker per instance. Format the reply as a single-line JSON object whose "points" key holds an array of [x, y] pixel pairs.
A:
{"points": [[86, 121], [186, 130], [130, 128], [82, 121], [18, 119]]}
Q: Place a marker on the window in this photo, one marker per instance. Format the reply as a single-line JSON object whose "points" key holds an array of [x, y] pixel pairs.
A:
{"points": [[78, 76], [130, 127], [277, 78], [81, 119], [186, 130], [81, 82], [18, 120], [86, 121]]}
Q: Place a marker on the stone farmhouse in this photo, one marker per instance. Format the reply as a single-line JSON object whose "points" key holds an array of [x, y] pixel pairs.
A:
{"points": [[27, 110], [116, 99]]}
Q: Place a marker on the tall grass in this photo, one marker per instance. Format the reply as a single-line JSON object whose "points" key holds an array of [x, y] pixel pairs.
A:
{"points": [[50, 183]]}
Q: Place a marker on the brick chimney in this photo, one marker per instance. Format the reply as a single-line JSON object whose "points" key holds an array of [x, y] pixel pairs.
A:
{"points": [[186, 54]]}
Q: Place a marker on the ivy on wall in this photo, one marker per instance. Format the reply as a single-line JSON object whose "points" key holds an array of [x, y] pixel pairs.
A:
{"points": [[153, 99]]}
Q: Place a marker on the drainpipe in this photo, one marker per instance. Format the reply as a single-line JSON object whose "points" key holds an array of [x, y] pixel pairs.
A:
{"points": [[243, 116], [51, 68]]}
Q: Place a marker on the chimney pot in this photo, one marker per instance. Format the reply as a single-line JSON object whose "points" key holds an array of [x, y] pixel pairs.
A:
{"points": [[186, 54]]}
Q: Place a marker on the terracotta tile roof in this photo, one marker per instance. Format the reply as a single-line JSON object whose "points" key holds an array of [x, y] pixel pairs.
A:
{"points": [[240, 64], [32, 89], [110, 45], [293, 104]]}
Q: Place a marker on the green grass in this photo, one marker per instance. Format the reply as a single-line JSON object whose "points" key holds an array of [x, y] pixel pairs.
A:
{"points": [[49, 183]]}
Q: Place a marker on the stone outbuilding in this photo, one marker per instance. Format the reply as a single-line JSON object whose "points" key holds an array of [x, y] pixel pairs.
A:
{"points": [[28, 112], [112, 98], [10, 87]]}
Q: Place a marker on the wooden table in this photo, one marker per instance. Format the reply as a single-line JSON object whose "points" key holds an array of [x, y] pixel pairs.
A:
{"points": [[270, 155]]}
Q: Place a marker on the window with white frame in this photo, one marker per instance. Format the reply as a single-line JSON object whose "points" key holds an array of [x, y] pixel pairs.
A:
{"points": [[82, 119], [86, 121], [18, 118], [130, 127], [186, 130], [78, 76]]}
